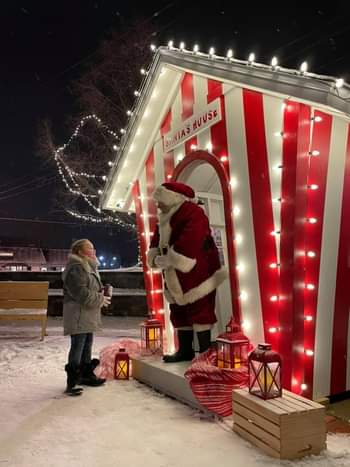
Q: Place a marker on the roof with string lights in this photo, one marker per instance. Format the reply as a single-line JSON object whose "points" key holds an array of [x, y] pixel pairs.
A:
{"points": [[161, 81]]}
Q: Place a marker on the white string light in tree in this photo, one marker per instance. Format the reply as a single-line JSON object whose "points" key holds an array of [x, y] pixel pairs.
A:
{"points": [[73, 186], [97, 220]]}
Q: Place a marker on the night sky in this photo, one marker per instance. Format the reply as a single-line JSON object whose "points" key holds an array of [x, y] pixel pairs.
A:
{"points": [[44, 46]]}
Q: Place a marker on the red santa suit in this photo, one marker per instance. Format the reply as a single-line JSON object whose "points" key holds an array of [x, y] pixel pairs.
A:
{"points": [[193, 269]]}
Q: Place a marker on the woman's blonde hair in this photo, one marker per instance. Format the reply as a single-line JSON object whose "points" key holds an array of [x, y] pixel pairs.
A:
{"points": [[77, 245]]}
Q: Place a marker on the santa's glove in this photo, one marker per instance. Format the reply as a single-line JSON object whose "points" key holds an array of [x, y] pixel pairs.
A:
{"points": [[162, 262]]}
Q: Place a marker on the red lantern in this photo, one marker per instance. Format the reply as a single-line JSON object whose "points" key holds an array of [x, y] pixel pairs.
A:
{"points": [[232, 327], [232, 353], [265, 372], [152, 337], [232, 347], [122, 365]]}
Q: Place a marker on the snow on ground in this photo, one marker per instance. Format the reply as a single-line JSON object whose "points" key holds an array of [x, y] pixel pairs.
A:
{"points": [[118, 424]]}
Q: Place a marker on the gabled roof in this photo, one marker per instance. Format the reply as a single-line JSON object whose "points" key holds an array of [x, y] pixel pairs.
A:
{"points": [[161, 84]]}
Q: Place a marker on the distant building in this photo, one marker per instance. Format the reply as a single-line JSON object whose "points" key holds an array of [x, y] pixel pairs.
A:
{"points": [[32, 259], [56, 259]]}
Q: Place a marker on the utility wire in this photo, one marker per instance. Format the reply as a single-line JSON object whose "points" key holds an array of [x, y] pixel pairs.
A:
{"points": [[49, 181], [30, 182]]}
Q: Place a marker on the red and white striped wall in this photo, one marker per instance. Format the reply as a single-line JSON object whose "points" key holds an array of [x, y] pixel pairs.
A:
{"points": [[286, 168]]}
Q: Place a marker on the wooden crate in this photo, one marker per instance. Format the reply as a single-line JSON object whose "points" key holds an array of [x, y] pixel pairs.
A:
{"points": [[287, 427]]}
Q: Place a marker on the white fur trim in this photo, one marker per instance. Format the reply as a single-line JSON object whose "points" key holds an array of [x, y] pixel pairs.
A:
{"points": [[164, 226], [181, 262], [168, 296], [72, 258], [196, 327], [168, 197], [201, 327], [151, 254], [173, 285], [196, 293], [207, 286]]}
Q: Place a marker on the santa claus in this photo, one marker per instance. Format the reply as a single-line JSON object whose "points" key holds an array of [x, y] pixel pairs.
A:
{"points": [[183, 247]]}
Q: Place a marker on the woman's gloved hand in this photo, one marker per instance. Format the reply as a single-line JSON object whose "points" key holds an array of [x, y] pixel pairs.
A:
{"points": [[106, 301]]}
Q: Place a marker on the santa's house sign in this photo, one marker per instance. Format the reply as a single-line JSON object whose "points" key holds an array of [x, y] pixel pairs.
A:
{"points": [[193, 125]]}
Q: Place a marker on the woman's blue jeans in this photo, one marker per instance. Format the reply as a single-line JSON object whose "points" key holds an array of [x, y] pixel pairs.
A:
{"points": [[80, 349]]}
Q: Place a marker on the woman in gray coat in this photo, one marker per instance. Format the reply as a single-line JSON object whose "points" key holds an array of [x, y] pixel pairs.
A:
{"points": [[82, 303]]}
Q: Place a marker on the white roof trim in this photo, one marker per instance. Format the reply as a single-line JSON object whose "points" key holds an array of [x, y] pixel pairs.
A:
{"points": [[165, 83]]}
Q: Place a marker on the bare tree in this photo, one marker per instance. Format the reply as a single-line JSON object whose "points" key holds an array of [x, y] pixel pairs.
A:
{"points": [[104, 93], [107, 88]]}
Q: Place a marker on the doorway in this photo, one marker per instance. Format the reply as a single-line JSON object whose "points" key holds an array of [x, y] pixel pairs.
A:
{"points": [[203, 172]]}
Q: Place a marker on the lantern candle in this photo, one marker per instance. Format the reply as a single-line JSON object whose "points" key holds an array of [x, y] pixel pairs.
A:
{"points": [[151, 334]]}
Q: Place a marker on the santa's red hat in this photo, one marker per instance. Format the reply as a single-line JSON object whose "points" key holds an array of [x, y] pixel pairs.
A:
{"points": [[172, 193]]}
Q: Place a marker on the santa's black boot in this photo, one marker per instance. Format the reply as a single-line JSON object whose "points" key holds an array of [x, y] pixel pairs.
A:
{"points": [[73, 374], [88, 377], [204, 340], [185, 352]]}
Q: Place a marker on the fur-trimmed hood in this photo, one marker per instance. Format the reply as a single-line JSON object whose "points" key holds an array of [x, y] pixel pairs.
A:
{"points": [[88, 264]]}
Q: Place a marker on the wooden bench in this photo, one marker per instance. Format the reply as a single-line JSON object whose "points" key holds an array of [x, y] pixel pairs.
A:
{"points": [[24, 301], [287, 427]]}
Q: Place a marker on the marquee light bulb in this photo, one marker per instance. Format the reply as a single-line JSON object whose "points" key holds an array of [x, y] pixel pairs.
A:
{"points": [[339, 83], [303, 67], [251, 58], [314, 153], [274, 62]]}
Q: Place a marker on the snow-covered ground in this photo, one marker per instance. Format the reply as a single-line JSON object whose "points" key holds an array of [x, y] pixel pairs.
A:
{"points": [[118, 424]]}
